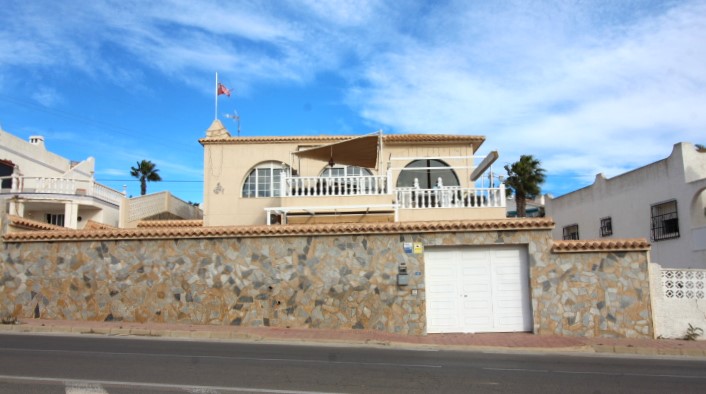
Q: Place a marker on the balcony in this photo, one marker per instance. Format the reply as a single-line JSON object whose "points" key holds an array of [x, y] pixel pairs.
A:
{"points": [[361, 196], [335, 186], [451, 197], [60, 186]]}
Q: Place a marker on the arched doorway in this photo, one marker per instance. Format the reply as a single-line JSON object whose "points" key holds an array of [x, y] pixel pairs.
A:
{"points": [[427, 172]]}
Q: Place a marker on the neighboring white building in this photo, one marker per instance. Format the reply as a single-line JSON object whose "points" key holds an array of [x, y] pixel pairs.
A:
{"points": [[44, 187], [664, 202]]}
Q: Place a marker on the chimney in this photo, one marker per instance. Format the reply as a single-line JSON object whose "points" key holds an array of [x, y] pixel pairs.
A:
{"points": [[37, 140]]}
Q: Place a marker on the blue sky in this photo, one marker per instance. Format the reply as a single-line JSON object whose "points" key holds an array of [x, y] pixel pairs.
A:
{"points": [[585, 86]]}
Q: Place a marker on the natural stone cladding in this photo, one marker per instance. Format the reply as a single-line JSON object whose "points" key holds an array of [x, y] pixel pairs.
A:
{"points": [[337, 280]]}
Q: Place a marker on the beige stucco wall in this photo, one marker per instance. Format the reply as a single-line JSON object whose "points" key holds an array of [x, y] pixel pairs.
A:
{"points": [[226, 166]]}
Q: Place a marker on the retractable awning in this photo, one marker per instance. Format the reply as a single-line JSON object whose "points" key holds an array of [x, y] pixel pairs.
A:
{"points": [[359, 151]]}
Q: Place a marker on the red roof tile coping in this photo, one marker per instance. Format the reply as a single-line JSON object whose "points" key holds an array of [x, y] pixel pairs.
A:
{"points": [[93, 225], [29, 224], [169, 223], [613, 245], [389, 139], [511, 224]]}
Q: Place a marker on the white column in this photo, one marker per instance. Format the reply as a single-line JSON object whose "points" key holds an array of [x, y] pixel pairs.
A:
{"points": [[71, 214], [17, 208]]}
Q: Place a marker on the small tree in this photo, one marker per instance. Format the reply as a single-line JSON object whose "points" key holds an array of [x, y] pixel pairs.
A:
{"points": [[146, 171], [700, 148], [524, 178]]}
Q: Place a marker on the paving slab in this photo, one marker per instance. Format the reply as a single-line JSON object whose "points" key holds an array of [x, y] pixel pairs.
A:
{"points": [[521, 342]]}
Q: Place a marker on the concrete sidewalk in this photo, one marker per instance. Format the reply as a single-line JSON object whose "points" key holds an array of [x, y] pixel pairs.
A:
{"points": [[489, 341]]}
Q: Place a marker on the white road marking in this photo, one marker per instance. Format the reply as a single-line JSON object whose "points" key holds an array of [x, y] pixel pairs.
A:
{"points": [[77, 387], [597, 373], [137, 385]]}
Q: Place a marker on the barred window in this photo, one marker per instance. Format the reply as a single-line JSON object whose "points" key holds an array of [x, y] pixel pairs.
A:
{"points": [[665, 221], [606, 227], [571, 232]]}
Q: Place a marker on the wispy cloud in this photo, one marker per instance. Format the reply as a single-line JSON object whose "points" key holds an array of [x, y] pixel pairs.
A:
{"points": [[578, 97], [586, 86]]}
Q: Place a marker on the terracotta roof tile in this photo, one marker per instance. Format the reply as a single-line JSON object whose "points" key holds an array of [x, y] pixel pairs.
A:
{"points": [[170, 223], [285, 230], [93, 225], [33, 225], [389, 138], [613, 245]]}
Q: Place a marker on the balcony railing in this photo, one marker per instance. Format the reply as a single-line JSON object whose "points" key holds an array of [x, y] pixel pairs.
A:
{"points": [[451, 197], [369, 185], [49, 185]]}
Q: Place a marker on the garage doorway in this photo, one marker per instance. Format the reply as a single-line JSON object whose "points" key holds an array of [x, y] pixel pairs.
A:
{"points": [[477, 289]]}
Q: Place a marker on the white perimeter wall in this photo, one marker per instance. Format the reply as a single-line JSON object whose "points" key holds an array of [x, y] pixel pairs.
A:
{"points": [[672, 313]]}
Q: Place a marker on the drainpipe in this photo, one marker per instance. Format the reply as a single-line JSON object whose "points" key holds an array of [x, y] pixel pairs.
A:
{"points": [[502, 192]]}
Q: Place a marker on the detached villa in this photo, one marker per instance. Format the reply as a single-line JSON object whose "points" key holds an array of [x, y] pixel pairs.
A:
{"points": [[394, 233], [337, 179]]}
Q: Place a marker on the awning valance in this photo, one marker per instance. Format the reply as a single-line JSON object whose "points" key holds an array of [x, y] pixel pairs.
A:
{"points": [[359, 152]]}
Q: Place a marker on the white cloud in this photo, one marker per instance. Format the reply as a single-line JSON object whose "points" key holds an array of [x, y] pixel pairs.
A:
{"points": [[585, 86], [584, 98]]}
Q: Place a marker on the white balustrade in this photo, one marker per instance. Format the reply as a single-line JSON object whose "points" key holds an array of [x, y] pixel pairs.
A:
{"points": [[364, 185], [450, 197], [107, 194], [69, 186]]}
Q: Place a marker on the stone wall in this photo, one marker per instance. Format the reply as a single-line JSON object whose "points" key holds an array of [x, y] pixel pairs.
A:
{"points": [[598, 294], [324, 281]]}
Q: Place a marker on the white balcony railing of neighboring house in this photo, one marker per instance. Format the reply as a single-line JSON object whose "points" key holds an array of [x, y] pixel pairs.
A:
{"points": [[450, 197], [364, 185], [66, 186]]}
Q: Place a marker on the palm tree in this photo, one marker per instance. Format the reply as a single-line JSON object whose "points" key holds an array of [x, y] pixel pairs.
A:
{"points": [[523, 178], [145, 171]]}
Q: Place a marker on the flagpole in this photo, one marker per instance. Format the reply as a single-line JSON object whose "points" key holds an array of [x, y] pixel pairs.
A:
{"points": [[215, 91]]}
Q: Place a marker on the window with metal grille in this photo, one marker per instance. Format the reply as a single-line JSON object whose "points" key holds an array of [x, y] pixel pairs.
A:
{"points": [[665, 221], [571, 232], [606, 227]]}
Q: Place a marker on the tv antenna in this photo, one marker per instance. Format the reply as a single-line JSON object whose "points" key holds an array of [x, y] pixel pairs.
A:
{"points": [[236, 118]]}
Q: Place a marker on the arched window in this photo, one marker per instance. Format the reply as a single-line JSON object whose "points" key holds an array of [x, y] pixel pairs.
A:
{"points": [[264, 180], [428, 172], [345, 171]]}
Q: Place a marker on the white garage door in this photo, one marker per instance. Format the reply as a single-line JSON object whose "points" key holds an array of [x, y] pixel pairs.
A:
{"points": [[477, 289]]}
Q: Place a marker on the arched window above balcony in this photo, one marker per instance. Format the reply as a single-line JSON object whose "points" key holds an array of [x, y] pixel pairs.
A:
{"points": [[264, 180], [427, 172], [336, 171]]}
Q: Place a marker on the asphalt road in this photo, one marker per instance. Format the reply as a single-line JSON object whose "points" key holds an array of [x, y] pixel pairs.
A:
{"points": [[81, 364]]}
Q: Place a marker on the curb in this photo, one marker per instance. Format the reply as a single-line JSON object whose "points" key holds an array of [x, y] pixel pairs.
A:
{"points": [[202, 334]]}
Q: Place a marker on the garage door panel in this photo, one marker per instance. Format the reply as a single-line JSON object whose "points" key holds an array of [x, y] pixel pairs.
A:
{"points": [[477, 289]]}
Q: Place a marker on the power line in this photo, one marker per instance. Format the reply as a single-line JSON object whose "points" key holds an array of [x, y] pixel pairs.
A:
{"points": [[137, 180], [82, 119]]}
